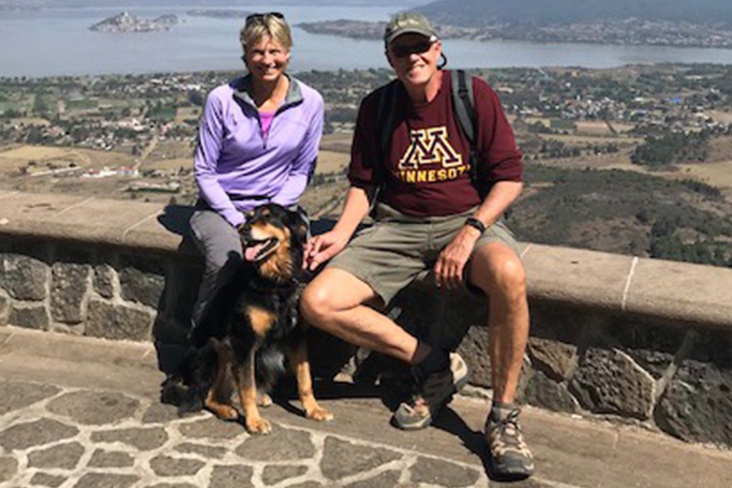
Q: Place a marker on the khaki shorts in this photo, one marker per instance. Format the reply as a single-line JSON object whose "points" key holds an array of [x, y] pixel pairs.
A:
{"points": [[391, 253]]}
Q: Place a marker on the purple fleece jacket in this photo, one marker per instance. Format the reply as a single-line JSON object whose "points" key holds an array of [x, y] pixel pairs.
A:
{"points": [[237, 168]]}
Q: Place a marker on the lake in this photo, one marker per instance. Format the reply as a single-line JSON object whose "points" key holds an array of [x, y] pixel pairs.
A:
{"points": [[57, 41]]}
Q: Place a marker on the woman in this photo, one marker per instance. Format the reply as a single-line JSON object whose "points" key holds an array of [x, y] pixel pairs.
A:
{"points": [[258, 143]]}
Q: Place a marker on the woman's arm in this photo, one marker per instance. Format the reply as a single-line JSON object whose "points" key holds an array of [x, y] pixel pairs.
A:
{"points": [[208, 151], [303, 166]]}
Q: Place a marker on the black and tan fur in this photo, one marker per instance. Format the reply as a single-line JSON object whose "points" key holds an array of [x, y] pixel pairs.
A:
{"points": [[253, 325]]}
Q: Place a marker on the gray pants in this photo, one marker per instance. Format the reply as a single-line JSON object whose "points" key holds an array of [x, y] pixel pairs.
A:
{"points": [[220, 245]]}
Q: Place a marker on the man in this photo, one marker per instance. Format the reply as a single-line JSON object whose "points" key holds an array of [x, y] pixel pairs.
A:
{"points": [[429, 213]]}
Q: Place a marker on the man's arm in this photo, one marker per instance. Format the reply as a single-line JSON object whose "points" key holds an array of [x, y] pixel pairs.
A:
{"points": [[323, 247]]}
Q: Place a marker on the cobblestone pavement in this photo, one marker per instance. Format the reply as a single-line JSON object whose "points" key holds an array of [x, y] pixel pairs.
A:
{"points": [[78, 412], [63, 437]]}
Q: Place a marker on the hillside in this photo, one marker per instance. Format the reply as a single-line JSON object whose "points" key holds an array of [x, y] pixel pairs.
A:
{"points": [[625, 213], [477, 13]]}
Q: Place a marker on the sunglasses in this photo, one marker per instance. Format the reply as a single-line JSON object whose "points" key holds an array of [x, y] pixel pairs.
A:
{"points": [[260, 17], [402, 51]]}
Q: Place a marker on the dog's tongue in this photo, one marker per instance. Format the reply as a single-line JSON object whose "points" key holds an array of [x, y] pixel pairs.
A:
{"points": [[250, 253]]}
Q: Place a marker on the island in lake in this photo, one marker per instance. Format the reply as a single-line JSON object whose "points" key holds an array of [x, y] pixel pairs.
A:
{"points": [[125, 22]]}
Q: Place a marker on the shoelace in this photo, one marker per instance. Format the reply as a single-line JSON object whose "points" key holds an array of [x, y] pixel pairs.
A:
{"points": [[509, 428]]}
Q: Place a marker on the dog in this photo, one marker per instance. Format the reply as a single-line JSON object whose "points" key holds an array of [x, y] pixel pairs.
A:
{"points": [[253, 327]]}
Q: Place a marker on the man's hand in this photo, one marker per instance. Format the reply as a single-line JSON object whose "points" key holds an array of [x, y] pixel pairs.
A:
{"points": [[451, 261], [321, 248]]}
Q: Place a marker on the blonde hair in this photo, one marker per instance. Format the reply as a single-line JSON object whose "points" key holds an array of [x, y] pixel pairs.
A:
{"points": [[258, 26]]}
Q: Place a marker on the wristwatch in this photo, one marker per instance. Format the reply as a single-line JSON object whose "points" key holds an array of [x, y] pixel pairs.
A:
{"points": [[476, 224]]}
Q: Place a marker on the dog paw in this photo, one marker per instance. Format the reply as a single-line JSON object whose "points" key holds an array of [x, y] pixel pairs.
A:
{"points": [[264, 400], [319, 414], [224, 412], [258, 426]]}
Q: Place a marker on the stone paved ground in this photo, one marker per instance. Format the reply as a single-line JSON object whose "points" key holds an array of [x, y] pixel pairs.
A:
{"points": [[84, 413]]}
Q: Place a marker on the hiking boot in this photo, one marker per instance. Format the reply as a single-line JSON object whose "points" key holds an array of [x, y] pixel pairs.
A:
{"points": [[432, 391], [510, 456]]}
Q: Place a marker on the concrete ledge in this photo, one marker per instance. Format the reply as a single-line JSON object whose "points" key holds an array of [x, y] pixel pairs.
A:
{"points": [[642, 340], [684, 293], [92, 220]]}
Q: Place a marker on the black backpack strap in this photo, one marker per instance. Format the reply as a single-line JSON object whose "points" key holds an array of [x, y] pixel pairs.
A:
{"points": [[464, 107], [385, 124]]}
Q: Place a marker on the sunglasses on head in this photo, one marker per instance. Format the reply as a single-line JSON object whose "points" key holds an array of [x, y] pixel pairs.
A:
{"points": [[404, 50], [261, 17]]}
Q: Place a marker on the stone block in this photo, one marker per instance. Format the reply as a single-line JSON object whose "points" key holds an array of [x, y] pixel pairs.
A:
{"points": [[112, 480], [29, 316], [442, 473], [105, 280], [62, 456], [117, 321], [166, 466], [272, 475], [140, 275], [23, 277], [608, 381], [35, 433], [144, 439], [45, 479], [4, 308], [16, 395], [697, 404], [556, 331], [474, 349], [141, 287], [652, 347], [211, 428], [543, 391], [342, 459], [110, 459], [8, 468], [232, 477], [557, 358], [287, 445], [94, 407], [69, 289]]}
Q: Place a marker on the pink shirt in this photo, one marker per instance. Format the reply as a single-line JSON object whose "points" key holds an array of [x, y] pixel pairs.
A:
{"points": [[266, 118]]}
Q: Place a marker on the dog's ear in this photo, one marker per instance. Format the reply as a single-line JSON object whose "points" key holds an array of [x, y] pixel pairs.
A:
{"points": [[300, 224]]}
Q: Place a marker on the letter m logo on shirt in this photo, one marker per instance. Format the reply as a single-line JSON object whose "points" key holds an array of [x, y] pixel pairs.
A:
{"points": [[427, 147]]}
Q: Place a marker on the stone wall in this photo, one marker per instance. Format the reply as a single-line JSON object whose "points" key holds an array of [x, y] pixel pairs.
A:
{"points": [[616, 337], [99, 291], [590, 362]]}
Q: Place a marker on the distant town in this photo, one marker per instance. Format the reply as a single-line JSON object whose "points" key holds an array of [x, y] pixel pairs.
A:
{"points": [[631, 31], [133, 136]]}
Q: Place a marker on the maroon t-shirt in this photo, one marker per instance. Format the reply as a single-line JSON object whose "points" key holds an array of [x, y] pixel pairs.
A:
{"points": [[426, 169]]}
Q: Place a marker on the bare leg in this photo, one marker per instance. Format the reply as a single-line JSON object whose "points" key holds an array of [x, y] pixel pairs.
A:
{"points": [[335, 301], [500, 274]]}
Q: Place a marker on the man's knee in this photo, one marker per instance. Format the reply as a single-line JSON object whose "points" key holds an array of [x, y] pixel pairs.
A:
{"points": [[496, 268], [315, 302], [332, 291]]}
